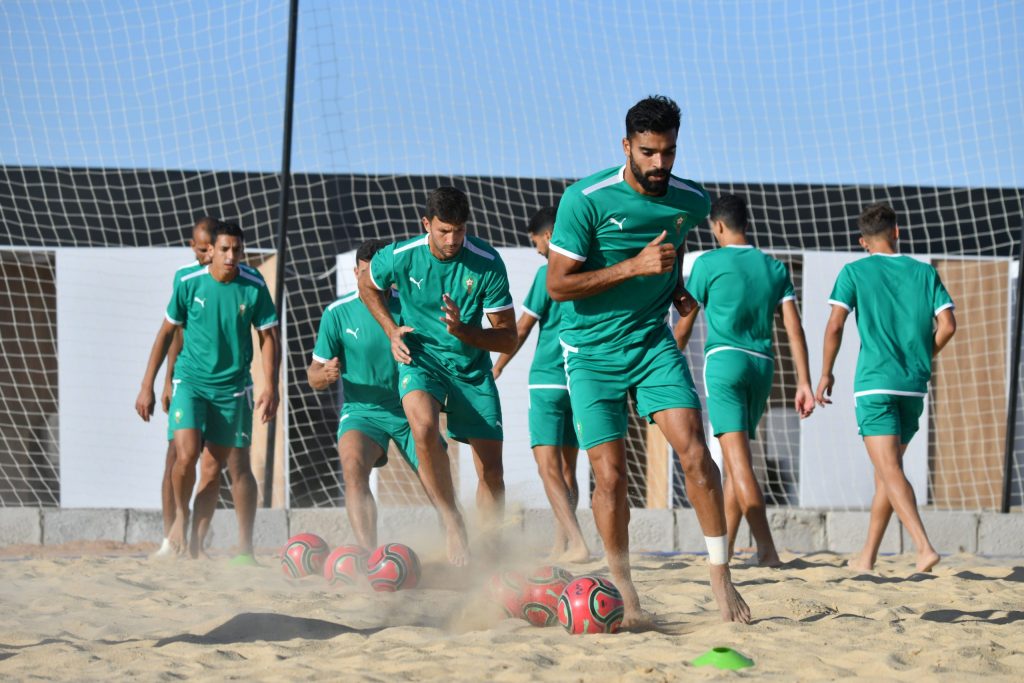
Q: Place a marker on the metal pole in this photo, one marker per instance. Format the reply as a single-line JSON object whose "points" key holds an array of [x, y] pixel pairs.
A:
{"points": [[282, 229], [1011, 403]]}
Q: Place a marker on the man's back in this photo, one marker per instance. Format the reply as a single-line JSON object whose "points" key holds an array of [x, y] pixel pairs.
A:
{"points": [[740, 288], [895, 299], [603, 221]]}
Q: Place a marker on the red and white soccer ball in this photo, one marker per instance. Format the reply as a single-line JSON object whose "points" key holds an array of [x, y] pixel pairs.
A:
{"points": [[346, 565], [393, 567], [544, 587], [590, 605], [304, 555], [507, 590]]}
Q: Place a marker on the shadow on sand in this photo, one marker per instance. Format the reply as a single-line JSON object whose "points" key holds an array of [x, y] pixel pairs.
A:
{"points": [[250, 627]]}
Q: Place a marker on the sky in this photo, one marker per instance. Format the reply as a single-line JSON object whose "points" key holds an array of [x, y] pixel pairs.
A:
{"points": [[915, 93]]}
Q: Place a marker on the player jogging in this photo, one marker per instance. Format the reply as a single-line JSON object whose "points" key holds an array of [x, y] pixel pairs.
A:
{"points": [[448, 281], [614, 259], [552, 434], [740, 288], [904, 318]]}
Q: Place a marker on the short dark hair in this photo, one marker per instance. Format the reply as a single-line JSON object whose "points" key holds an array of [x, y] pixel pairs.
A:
{"points": [[368, 248], [657, 114], [732, 211], [207, 223], [542, 221], [226, 228], [450, 204], [876, 219]]}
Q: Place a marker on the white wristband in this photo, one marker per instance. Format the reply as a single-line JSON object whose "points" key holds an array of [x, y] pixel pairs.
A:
{"points": [[717, 549]]}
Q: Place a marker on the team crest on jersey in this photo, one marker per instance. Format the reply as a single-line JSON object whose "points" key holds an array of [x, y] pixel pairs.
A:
{"points": [[405, 381], [469, 284], [241, 308], [679, 222], [177, 415]]}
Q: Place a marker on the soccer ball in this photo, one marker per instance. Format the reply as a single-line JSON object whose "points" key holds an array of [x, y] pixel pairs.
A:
{"points": [[393, 567], [346, 564], [544, 586], [304, 555], [507, 590], [590, 605]]}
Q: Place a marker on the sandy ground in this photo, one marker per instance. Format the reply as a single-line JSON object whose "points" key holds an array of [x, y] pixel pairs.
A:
{"points": [[106, 612]]}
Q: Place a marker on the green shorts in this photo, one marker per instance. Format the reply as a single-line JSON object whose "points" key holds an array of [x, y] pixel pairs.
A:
{"points": [[223, 416], [654, 373], [474, 409], [551, 417], [737, 384], [380, 425], [888, 415]]}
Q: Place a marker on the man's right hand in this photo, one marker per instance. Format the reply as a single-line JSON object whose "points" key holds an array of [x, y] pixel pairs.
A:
{"points": [[398, 348], [166, 396], [656, 258], [144, 403], [332, 370]]}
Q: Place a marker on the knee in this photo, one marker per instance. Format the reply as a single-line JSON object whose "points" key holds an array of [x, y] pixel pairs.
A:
{"points": [[493, 475], [694, 459], [611, 480]]}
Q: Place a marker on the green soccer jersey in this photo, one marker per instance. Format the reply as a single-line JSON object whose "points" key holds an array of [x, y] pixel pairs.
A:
{"points": [[475, 279], [602, 221], [548, 367], [895, 299], [217, 350], [349, 332], [740, 288]]}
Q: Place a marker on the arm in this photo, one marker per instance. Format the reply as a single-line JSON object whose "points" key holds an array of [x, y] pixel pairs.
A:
{"points": [[945, 328], [803, 402], [146, 401], [322, 375], [684, 328], [567, 280], [172, 357], [270, 354], [377, 305], [500, 338], [523, 329], [833, 339]]}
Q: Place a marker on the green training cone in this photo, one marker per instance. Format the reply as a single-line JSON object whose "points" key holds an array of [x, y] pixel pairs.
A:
{"points": [[724, 658]]}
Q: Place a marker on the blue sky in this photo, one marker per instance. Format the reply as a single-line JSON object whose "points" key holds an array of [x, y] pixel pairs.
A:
{"points": [[927, 93]]}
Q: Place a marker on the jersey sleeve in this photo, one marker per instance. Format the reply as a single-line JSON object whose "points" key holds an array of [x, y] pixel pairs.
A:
{"points": [[328, 342], [266, 314], [844, 293], [697, 283], [941, 300], [574, 226], [497, 296], [382, 268], [538, 303], [788, 292], [177, 307]]}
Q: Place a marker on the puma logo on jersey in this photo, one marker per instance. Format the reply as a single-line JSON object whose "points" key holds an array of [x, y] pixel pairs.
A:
{"points": [[618, 223], [416, 282], [498, 423], [201, 302], [243, 435], [354, 333]]}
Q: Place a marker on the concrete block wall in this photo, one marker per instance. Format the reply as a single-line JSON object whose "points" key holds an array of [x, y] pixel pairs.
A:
{"points": [[794, 529]]}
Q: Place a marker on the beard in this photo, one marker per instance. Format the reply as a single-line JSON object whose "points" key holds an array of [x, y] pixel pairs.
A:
{"points": [[651, 185]]}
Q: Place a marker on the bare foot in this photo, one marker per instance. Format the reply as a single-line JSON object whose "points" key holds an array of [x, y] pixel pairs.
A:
{"points": [[455, 540], [927, 560], [730, 602], [860, 564], [643, 621], [176, 536], [633, 617], [769, 558], [577, 552]]}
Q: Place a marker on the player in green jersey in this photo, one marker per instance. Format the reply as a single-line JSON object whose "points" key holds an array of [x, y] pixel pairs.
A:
{"points": [[351, 346], [212, 402], [904, 317], [145, 403], [614, 259], [444, 359], [740, 289], [552, 438]]}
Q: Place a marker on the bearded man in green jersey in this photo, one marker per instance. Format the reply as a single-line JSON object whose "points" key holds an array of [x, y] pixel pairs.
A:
{"points": [[614, 259], [352, 347], [444, 359], [904, 317], [740, 288], [213, 394], [552, 435]]}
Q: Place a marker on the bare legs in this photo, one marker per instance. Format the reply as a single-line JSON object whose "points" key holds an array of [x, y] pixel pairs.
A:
{"points": [[358, 454], [187, 443], [892, 492], [558, 473], [743, 498]]}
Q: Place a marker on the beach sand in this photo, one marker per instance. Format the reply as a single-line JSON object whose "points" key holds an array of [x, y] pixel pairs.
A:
{"points": [[92, 612]]}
